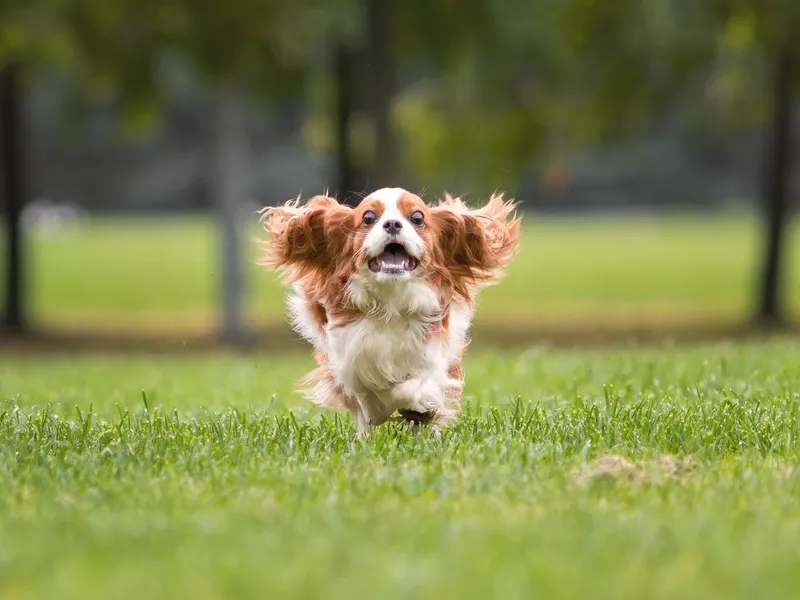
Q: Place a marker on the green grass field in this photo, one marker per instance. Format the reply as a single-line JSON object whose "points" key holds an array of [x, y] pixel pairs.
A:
{"points": [[624, 472], [225, 485], [162, 275]]}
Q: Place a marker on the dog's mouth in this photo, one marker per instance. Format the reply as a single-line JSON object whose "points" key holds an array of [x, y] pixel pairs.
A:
{"points": [[394, 260]]}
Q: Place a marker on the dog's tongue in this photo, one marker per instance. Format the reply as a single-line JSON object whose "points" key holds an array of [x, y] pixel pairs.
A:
{"points": [[396, 258]]}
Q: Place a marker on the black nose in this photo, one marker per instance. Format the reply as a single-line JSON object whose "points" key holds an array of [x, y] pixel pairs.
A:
{"points": [[392, 226]]}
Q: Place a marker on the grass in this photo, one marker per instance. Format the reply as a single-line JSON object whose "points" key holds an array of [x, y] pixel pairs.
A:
{"points": [[206, 477], [639, 472], [161, 275]]}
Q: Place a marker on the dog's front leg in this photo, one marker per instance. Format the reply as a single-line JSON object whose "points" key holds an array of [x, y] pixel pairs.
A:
{"points": [[363, 426], [419, 394], [368, 413], [424, 400]]}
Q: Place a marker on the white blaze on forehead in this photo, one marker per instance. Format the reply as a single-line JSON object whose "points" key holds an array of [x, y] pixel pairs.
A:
{"points": [[378, 238], [390, 198]]}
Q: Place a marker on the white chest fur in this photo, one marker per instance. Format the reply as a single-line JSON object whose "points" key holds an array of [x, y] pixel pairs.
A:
{"points": [[388, 344], [372, 355]]}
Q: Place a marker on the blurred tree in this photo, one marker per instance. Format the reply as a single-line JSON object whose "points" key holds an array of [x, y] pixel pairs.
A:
{"points": [[31, 35], [355, 108], [245, 47], [383, 73], [776, 25], [240, 49], [353, 115], [345, 171], [779, 157], [11, 164], [38, 35], [228, 180], [760, 34]]}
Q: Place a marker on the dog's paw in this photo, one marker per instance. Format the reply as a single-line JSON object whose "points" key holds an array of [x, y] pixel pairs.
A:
{"points": [[416, 418], [419, 395]]}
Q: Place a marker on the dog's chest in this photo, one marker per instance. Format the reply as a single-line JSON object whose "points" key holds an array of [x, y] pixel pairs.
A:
{"points": [[371, 355]]}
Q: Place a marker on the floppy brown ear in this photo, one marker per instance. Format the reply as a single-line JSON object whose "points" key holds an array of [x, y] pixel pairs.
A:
{"points": [[305, 237], [477, 244]]}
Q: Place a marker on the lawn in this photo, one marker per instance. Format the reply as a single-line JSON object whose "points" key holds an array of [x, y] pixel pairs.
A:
{"points": [[206, 477], [161, 275]]}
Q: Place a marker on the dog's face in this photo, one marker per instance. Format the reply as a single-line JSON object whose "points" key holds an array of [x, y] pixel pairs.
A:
{"points": [[393, 236], [397, 235]]}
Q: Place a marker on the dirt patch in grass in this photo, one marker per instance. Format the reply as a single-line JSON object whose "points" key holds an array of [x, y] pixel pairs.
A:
{"points": [[612, 468]]}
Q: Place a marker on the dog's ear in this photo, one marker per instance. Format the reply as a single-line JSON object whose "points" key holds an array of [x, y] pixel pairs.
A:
{"points": [[309, 236], [476, 244]]}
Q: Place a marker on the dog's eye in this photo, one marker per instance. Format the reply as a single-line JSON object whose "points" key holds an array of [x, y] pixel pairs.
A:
{"points": [[417, 217], [369, 218]]}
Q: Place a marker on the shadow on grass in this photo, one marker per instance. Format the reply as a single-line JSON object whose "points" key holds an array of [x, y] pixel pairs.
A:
{"points": [[281, 339]]}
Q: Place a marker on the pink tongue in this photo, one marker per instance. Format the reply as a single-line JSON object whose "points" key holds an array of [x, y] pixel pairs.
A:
{"points": [[396, 259]]}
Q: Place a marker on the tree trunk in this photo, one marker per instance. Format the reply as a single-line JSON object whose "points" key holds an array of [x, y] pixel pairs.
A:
{"points": [[382, 81], [343, 73], [777, 170], [12, 169], [230, 175]]}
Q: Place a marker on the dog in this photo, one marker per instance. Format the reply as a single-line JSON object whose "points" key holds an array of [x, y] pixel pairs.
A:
{"points": [[385, 292]]}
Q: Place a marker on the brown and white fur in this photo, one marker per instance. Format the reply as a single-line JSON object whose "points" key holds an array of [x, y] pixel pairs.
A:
{"points": [[385, 292]]}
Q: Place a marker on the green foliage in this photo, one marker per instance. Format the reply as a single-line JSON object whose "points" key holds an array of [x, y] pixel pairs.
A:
{"points": [[502, 82], [558, 76], [548, 78], [558, 479], [33, 31], [118, 48]]}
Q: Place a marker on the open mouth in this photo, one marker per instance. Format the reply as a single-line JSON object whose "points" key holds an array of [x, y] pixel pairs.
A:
{"points": [[394, 260]]}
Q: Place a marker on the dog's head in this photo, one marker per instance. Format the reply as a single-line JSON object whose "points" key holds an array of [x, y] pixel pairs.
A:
{"points": [[392, 236]]}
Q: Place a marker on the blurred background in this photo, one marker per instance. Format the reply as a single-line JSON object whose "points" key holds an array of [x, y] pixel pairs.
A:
{"points": [[652, 145]]}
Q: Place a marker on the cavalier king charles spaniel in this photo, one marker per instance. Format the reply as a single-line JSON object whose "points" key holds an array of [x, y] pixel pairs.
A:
{"points": [[385, 292]]}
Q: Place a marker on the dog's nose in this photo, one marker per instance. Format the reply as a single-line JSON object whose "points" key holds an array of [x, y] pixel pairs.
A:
{"points": [[392, 226]]}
